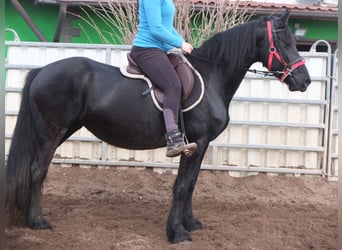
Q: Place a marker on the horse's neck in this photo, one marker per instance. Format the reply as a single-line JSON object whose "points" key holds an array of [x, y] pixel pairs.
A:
{"points": [[219, 83], [234, 48], [225, 67], [224, 79]]}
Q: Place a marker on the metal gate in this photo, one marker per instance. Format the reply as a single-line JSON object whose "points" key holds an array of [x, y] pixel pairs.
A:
{"points": [[332, 170], [271, 130]]}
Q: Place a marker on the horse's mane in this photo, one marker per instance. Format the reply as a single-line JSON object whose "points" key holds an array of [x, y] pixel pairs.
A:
{"points": [[235, 44]]}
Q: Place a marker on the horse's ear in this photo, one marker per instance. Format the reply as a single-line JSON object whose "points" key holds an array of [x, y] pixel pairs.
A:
{"points": [[285, 17]]}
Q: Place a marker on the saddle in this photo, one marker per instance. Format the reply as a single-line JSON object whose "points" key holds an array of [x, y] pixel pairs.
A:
{"points": [[191, 81], [183, 70]]}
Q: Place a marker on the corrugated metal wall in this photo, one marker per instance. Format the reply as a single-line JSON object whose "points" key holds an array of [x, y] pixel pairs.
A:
{"points": [[271, 129]]}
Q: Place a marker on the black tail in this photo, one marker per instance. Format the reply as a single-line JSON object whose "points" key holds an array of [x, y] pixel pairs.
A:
{"points": [[21, 155]]}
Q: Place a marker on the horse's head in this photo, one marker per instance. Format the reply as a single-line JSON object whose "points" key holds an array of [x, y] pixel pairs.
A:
{"points": [[279, 54]]}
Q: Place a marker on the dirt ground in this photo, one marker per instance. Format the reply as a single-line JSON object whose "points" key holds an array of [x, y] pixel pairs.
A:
{"points": [[127, 208]]}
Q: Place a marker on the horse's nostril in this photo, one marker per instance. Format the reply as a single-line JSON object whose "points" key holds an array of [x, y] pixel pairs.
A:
{"points": [[305, 84]]}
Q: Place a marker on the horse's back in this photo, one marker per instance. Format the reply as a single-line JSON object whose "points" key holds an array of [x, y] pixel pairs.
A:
{"points": [[78, 91], [62, 87], [72, 77]]}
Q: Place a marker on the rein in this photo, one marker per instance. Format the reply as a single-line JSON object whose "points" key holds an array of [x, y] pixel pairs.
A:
{"points": [[273, 53]]}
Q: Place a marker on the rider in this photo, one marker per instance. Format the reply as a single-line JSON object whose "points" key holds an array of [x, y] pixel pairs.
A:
{"points": [[156, 35]]}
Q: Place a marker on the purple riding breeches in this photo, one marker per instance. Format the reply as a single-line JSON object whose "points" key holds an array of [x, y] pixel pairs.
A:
{"points": [[156, 66]]}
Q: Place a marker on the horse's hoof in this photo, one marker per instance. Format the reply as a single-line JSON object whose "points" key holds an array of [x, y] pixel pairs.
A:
{"points": [[176, 234], [182, 236], [192, 224], [40, 225]]}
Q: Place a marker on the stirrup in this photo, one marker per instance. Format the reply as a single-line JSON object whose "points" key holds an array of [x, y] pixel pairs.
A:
{"points": [[189, 149]]}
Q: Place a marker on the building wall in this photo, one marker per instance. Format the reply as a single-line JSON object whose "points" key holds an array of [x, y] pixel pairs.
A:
{"points": [[316, 30], [45, 17]]}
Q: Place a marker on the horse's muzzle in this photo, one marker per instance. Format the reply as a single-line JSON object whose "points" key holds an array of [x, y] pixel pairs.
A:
{"points": [[303, 86], [296, 85]]}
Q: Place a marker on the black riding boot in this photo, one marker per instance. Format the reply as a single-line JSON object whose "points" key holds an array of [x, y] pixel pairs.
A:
{"points": [[175, 144]]}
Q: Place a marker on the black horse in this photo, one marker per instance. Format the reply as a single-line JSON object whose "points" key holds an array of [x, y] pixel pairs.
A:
{"points": [[60, 98]]}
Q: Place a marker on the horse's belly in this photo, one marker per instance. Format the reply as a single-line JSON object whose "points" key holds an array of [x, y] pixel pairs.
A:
{"points": [[130, 134]]}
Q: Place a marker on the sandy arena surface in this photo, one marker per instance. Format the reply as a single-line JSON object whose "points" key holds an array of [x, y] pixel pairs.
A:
{"points": [[127, 208]]}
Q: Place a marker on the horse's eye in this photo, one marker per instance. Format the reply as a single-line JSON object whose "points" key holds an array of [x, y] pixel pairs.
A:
{"points": [[285, 40]]}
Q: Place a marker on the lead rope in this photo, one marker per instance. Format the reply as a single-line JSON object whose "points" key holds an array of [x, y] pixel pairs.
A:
{"points": [[264, 72]]}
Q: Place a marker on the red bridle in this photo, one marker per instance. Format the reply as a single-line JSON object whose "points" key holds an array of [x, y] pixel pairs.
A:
{"points": [[288, 67]]}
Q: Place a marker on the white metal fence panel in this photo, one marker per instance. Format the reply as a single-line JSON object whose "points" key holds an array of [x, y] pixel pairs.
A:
{"points": [[271, 129], [333, 132], [274, 128]]}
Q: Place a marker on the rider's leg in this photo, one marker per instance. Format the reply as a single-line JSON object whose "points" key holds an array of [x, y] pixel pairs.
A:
{"points": [[156, 65]]}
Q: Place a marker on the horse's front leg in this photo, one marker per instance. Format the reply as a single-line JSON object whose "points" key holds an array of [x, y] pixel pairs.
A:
{"points": [[181, 219], [190, 223]]}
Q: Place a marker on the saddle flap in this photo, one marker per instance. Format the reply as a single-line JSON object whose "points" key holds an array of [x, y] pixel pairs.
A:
{"points": [[184, 73], [132, 66]]}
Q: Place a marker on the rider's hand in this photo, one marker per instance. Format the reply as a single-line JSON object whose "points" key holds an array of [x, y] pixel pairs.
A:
{"points": [[187, 47]]}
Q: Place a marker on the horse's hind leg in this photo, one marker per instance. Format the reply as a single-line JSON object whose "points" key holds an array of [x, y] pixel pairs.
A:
{"points": [[39, 169], [35, 219]]}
